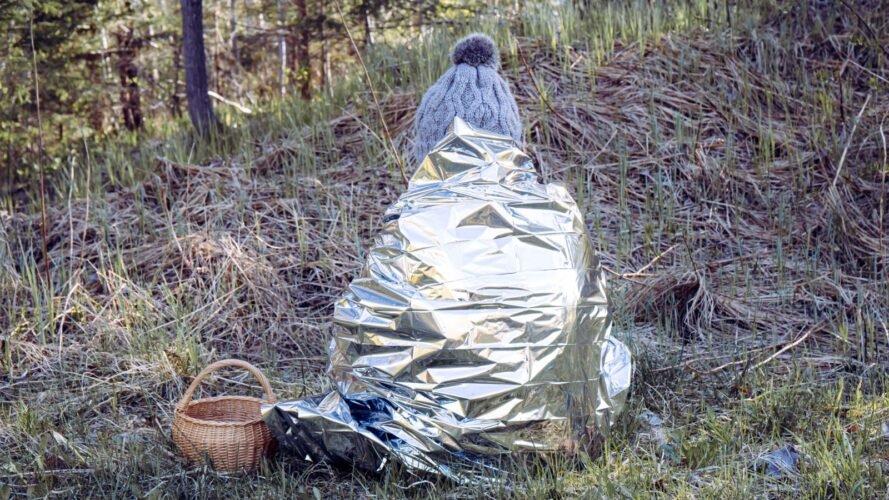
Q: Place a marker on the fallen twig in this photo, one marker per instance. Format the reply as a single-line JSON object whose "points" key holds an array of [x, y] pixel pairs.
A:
{"points": [[793, 344], [849, 141]]}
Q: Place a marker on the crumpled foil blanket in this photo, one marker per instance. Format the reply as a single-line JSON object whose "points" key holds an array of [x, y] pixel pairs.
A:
{"points": [[479, 326]]}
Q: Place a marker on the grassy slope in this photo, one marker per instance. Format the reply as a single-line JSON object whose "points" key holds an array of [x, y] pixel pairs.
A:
{"points": [[710, 154]]}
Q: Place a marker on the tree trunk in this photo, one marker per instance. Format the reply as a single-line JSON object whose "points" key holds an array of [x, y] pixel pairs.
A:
{"points": [[233, 29], [96, 116], [152, 61], [176, 101], [200, 109], [131, 106], [303, 65], [282, 50], [106, 70], [365, 20], [215, 47], [325, 54], [10, 167]]}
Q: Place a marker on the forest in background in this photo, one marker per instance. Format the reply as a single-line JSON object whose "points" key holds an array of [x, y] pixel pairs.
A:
{"points": [[107, 68]]}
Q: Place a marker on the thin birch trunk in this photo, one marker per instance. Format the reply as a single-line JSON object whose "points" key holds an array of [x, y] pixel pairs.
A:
{"points": [[282, 50], [325, 55], [106, 69], [217, 38], [155, 74]]}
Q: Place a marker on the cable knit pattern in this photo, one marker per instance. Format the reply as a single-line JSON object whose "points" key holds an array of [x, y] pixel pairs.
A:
{"points": [[472, 90]]}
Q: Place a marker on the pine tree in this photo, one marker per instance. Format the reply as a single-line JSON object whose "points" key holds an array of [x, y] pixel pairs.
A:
{"points": [[200, 109]]}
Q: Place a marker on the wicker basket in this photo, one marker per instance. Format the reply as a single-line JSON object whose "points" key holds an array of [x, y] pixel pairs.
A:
{"points": [[225, 432]]}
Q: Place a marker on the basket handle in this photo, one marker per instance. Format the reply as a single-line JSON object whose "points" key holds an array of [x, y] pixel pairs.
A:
{"points": [[186, 398]]}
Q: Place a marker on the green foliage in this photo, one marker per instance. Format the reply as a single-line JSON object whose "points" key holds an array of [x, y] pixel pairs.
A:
{"points": [[48, 35], [99, 61]]}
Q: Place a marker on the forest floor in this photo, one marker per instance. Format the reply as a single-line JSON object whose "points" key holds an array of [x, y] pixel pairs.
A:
{"points": [[733, 179]]}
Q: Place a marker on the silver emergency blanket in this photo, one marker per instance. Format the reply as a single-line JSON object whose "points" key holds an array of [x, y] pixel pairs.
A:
{"points": [[478, 328]]}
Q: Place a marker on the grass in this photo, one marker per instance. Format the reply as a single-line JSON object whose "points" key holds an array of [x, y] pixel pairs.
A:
{"points": [[738, 208]]}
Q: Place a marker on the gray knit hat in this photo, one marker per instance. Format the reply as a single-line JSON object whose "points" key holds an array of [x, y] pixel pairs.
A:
{"points": [[471, 89]]}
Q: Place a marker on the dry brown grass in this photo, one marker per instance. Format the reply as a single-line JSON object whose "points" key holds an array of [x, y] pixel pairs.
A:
{"points": [[735, 185]]}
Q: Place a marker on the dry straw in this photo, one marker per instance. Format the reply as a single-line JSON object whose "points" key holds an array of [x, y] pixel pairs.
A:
{"points": [[225, 432], [706, 164]]}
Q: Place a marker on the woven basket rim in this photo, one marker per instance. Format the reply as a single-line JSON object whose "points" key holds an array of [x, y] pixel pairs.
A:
{"points": [[180, 412]]}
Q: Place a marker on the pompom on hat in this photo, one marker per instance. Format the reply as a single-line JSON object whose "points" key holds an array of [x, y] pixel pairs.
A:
{"points": [[471, 89], [476, 49]]}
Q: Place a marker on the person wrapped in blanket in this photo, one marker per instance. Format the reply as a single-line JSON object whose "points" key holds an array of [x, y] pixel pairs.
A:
{"points": [[479, 326]]}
